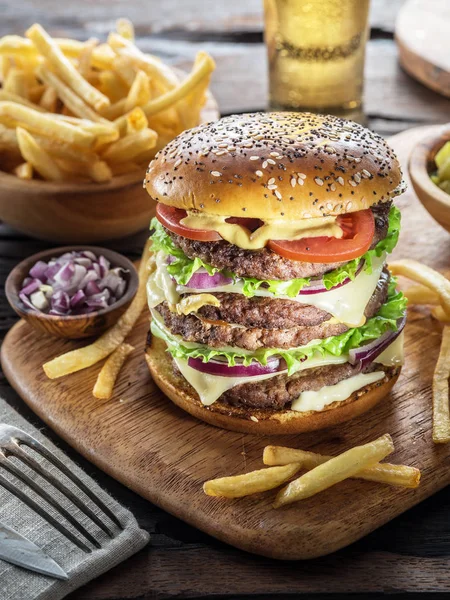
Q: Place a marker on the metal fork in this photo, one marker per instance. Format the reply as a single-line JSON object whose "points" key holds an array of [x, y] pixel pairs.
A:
{"points": [[12, 441]]}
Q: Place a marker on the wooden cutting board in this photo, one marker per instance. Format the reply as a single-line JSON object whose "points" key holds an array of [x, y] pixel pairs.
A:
{"points": [[422, 36], [160, 452]]}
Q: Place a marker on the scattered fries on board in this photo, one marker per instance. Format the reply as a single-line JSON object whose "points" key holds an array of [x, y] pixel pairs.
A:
{"points": [[87, 111], [322, 472], [433, 289]]}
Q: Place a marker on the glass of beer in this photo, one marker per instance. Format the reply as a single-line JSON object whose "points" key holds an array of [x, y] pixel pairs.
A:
{"points": [[316, 52]]}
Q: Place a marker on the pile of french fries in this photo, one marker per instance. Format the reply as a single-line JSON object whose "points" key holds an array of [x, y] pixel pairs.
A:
{"points": [[85, 111], [322, 472], [433, 289], [110, 345]]}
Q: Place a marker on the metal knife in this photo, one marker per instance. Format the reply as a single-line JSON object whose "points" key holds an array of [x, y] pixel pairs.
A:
{"points": [[17, 550]]}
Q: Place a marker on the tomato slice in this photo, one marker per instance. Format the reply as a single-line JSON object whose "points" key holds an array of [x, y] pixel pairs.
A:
{"points": [[358, 227], [170, 217]]}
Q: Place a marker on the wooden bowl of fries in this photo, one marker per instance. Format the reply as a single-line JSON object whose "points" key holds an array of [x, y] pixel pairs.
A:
{"points": [[422, 166], [79, 123], [72, 326]]}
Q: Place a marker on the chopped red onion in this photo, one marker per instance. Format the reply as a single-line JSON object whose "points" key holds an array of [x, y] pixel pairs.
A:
{"points": [[39, 271], [92, 288], [31, 287], [76, 283], [78, 297]]}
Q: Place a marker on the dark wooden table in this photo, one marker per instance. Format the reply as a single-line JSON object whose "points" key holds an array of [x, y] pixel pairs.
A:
{"points": [[409, 555]]}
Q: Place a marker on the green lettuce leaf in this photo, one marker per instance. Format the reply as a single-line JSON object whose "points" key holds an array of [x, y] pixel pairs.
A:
{"points": [[182, 268], [386, 318]]}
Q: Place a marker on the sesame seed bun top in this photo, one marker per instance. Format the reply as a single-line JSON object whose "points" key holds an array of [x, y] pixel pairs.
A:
{"points": [[275, 165]]}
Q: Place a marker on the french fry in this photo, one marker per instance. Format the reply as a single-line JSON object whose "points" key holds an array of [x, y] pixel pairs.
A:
{"points": [[203, 68], [102, 57], [167, 121], [254, 482], [24, 171], [35, 93], [16, 83], [64, 151], [425, 275], [133, 121], [439, 314], [139, 93], [73, 102], [97, 170], [338, 468], [7, 96], [441, 409], [106, 379], [153, 66], [115, 110], [111, 85], [15, 45], [79, 359], [34, 154], [399, 475], [65, 69], [85, 58], [8, 139], [130, 146], [124, 69], [44, 124], [125, 29], [49, 99], [419, 294]]}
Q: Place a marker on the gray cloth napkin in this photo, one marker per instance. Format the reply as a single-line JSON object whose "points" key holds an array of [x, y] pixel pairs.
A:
{"points": [[20, 584]]}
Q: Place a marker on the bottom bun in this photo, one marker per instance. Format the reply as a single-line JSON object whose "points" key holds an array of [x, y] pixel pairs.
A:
{"points": [[254, 420]]}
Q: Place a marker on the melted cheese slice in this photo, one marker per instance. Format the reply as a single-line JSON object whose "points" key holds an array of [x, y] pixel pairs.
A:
{"points": [[272, 229], [160, 285], [211, 387], [346, 303], [334, 393], [393, 355]]}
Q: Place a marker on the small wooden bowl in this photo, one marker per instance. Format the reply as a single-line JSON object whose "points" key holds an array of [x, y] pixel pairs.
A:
{"points": [[421, 166], [81, 213], [73, 326]]}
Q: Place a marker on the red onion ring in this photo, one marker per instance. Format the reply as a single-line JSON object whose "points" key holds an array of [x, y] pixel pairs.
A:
{"points": [[367, 354], [221, 368]]}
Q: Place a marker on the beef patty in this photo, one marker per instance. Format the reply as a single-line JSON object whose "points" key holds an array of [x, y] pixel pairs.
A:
{"points": [[265, 264], [281, 390], [273, 313], [219, 333]]}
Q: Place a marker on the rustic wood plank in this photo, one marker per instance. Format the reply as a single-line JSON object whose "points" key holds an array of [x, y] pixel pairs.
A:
{"points": [[86, 18], [132, 439], [421, 533]]}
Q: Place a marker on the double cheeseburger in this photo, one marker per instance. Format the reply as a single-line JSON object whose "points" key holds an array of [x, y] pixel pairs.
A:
{"points": [[272, 307]]}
